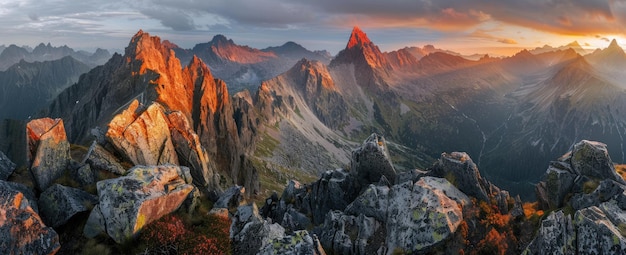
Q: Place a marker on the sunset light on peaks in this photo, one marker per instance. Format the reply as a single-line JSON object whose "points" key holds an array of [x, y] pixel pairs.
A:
{"points": [[468, 27]]}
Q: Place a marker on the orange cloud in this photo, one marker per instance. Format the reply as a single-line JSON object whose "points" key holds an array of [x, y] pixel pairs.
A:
{"points": [[483, 34]]}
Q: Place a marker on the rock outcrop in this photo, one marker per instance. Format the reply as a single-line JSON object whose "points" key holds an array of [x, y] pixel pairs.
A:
{"points": [[588, 162], [371, 161], [143, 136], [59, 203], [251, 234], [300, 243], [48, 150], [6, 166], [21, 229], [333, 191], [583, 180], [556, 235], [145, 194], [423, 214], [192, 154], [348, 234], [461, 171]]}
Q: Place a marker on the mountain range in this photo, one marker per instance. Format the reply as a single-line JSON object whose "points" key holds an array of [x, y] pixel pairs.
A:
{"points": [[388, 144], [13, 54], [507, 112]]}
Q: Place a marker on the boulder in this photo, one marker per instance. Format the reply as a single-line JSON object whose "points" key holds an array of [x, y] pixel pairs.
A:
{"points": [[6, 167], [607, 189], [557, 184], [373, 202], [557, 235], [347, 234], [423, 214], [572, 174], [48, 150], [192, 154], [25, 190], [596, 234], [293, 220], [21, 229], [249, 232], [232, 198], [461, 171], [290, 202], [592, 159], [371, 161], [143, 136], [83, 175], [300, 243], [59, 203], [99, 158], [333, 191], [144, 195]]}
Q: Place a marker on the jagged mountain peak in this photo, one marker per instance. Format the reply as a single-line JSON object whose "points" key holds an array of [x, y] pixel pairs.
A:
{"points": [[307, 68], [357, 38], [574, 44], [221, 39], [361, 50], [614, 46]]}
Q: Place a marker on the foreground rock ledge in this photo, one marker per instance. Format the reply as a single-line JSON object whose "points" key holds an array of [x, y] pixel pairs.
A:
{"points": [[130, 202]]}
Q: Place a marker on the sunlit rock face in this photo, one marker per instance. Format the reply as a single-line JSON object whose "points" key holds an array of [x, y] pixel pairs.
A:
{"points": [[145, 194], [21, 229], [48, 150]]}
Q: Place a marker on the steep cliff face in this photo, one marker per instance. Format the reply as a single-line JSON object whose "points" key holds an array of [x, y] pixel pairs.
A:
{"points": [[150, 71]]}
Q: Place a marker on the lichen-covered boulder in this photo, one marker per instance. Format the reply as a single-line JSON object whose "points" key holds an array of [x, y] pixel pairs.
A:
{"points": [[347, 234], [373, 202], [592, 159], [6, 167], [556, 185], [423, 214], [576, 171], [606, 190], [557, 235], [48, 150], [145, 194], [21, 229], [99, 158], [59, 203], [461, 171], [143, 136], [300, 243], [596, 234], [333, 191], [249, 232], [371, 161]]}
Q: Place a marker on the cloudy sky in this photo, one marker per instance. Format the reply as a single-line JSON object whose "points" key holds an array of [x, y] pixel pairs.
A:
{"points": [[467, 26]]}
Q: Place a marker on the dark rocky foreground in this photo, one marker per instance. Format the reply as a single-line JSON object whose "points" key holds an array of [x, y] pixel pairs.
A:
{"points": [[122, 189]]}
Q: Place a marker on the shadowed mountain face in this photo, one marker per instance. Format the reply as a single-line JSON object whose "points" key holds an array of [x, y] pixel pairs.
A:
{"points": [[26, 88]]}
